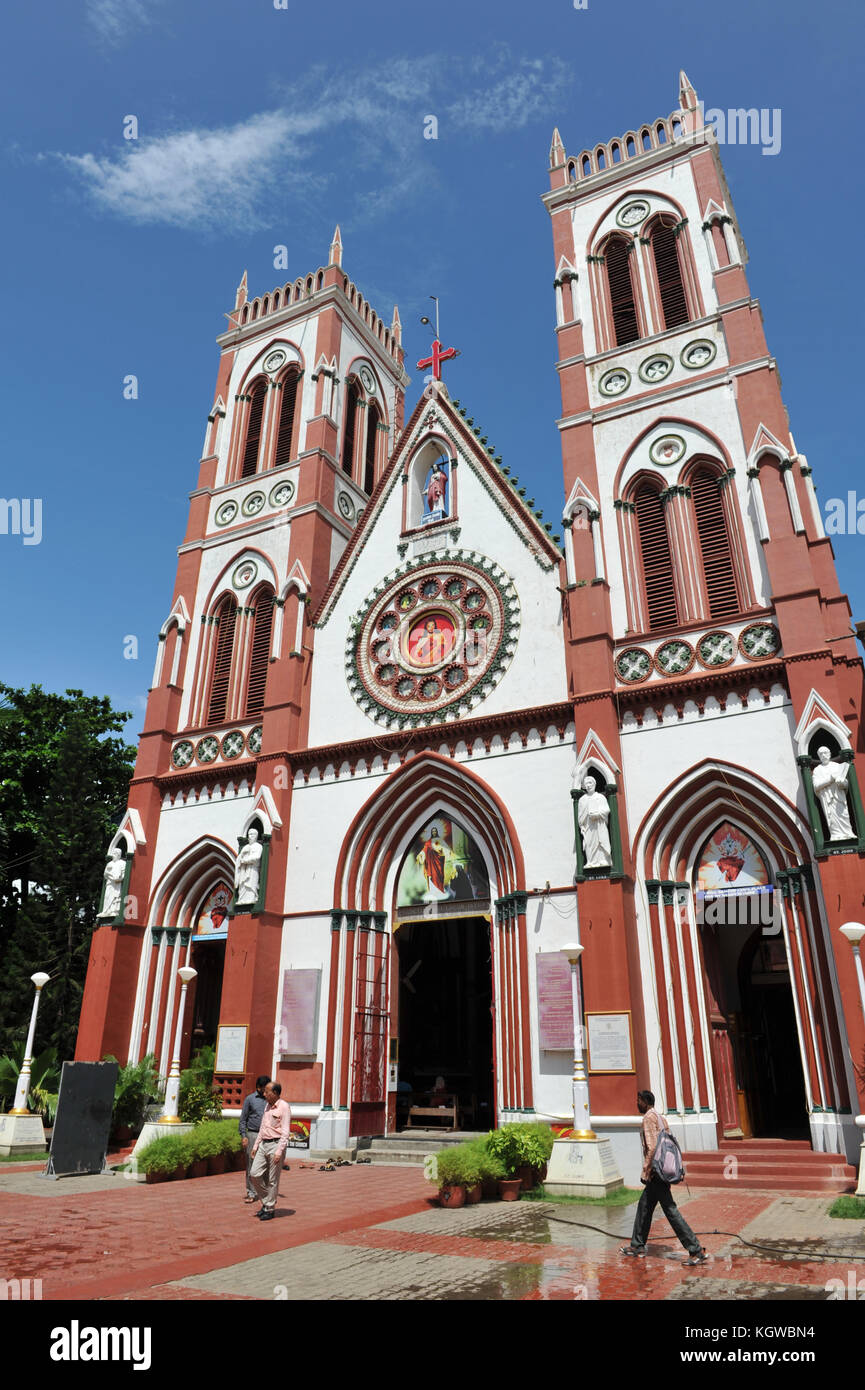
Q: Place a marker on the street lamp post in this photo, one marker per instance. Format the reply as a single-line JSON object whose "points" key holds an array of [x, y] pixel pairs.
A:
{"points": [[22, 1090], [582, 1114], [581, 1164], [170, 1109], [854, 932]]}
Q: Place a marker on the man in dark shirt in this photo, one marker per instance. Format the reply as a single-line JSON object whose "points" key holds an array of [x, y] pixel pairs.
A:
{"points": [[249, 1124]]}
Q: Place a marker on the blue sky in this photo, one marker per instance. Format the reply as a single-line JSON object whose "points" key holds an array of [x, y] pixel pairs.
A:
{"points": [[260, 127]]}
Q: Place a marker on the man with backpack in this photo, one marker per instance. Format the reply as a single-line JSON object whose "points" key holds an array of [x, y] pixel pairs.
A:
{"points": [[662, 1166]]}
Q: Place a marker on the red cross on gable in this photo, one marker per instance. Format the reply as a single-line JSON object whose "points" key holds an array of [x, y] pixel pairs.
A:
{"points": [[439, 355]]}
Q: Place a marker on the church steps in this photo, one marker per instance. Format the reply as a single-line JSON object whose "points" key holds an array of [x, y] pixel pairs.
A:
{"points": [[412, 1148], [770, 1165]]}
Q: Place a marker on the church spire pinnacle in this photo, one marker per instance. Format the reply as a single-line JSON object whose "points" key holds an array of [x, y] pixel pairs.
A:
{"points": [[557, 150], [687, 92], [241, 296], [396, 324], [336, 248]]}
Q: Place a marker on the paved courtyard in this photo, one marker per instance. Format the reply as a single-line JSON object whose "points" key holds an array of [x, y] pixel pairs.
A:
{"points": [[373, 1233]]}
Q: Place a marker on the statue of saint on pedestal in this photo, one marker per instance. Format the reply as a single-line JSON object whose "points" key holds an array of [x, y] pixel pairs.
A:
{"points": [[247, 874], [115, 872], [593, 813], [830, 784]]}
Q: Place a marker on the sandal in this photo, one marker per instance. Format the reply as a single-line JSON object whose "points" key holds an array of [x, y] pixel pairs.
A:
{"points": [[699, 1258], [249, 1200], [629, 1250]]}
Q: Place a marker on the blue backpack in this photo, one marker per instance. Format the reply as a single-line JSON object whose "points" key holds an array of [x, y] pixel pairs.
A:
{"points": [[667, 1159]]}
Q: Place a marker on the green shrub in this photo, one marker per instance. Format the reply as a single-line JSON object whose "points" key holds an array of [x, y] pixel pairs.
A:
{"points": [[848, 1206], [199, 1102], [521, 1145], [211, 1138], [458, 1165], [503, 1145], [490, 1166], [164, 1155], [137, 1084]]}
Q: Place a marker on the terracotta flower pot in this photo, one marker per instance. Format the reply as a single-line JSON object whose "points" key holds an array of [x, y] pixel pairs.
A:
{"points": [[526, 1176], [539, 1174], [239, 1161], [156, 1177], [179, 1173], [509, 1189], [215, 1165], [474, 1194], [198, 1169], [490, 1189], [452, 1196]]}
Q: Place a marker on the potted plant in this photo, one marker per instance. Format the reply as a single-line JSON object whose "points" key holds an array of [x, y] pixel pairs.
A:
{"points": [[489, 1170], [503, 1144], [136, 1084], [197, 1161], [535, 1142], [451, 1174], [164, 1159]]}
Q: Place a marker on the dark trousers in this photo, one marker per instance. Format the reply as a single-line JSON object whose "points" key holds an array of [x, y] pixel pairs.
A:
{"points": [[656, 1191]]}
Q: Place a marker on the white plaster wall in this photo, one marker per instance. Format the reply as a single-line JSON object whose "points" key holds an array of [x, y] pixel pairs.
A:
{"points": [[305, 946], [759, 739], [354, 349], [180, 826], [536, 674]]}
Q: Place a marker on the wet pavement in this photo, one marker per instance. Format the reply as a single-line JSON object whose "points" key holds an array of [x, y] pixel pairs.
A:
{"points": [[371, 1233]]}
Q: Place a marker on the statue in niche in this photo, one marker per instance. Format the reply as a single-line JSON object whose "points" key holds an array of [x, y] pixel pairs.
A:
{"points": [[247, 874], [830, 784], [436, 491], [593, 813], [115, 872]]}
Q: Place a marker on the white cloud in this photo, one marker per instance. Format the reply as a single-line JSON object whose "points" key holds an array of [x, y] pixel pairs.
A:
{"points": [[114, 20], [365, 129]]}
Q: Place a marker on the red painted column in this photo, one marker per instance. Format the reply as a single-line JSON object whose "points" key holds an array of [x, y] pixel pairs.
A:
{"points": [[661, 984], [332, 995], [525, 1014], [347, 1009]]}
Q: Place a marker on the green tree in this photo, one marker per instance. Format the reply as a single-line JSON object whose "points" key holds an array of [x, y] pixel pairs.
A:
{"points": [[64, 777]]}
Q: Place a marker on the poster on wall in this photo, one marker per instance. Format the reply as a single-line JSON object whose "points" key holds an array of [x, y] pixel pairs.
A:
{"points": [[610, 1045], [443, 864], [230, 1051], [731, 862], [212, 923], [298, 1027]]}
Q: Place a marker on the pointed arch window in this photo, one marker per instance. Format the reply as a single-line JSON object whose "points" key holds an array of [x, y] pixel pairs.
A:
{"points": [[253, 429], [372, 423], [657, 561], [260, 650], [713, 534], [668, 270], [350, 428], [221, 674], [289, 390], [623, 306]]}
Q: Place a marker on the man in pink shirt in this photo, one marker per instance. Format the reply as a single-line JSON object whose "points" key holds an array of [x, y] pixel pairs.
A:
{"points": [[269, 1150]]}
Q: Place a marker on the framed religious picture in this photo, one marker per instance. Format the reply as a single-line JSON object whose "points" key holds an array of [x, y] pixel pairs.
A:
{"points": [[610, 1042], [230, 1051]]}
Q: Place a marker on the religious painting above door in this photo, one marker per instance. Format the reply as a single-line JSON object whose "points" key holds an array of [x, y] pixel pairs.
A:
{"points": [[730, 861], [213, 919], [436, 640], [442, 864]]}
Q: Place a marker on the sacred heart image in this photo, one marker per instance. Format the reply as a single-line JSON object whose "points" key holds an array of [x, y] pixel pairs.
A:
{"points": [[442, 864]]}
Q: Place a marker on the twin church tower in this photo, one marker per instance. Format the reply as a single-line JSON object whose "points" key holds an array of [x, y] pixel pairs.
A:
{"points": [[403, 743]]}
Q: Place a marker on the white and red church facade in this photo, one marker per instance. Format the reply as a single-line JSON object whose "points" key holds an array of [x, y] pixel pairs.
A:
{"points": [[360, 807]]}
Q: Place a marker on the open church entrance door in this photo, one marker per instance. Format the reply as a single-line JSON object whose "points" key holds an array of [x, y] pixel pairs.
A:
{"points": [[445, 1017], [756, 1055]]}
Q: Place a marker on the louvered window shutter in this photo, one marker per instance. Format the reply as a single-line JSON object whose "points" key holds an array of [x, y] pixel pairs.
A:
{"points": [[253, 430], [371, 438], [260, 657], [714, 545], [222, 663], [657, 561], [669, 273], [287, 405], [617, 257], [348, 434]]}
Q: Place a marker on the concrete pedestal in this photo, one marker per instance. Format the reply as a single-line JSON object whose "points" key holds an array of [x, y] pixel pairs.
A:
{"points": [[21, 1134], [860, 1186], [582, 1168], [153, 1131]]}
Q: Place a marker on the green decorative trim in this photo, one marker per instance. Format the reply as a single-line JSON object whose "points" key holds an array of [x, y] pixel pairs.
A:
{"points": [[620, 505], [653, 888], [335, 918], [614, 371]]}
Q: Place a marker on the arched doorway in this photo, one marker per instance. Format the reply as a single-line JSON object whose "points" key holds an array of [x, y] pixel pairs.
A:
{"points": [[756, 1051], [210, 931], [442, 1015]]}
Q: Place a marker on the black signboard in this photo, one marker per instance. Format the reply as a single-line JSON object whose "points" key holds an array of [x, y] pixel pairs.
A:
{"points": [[79, 1139]]}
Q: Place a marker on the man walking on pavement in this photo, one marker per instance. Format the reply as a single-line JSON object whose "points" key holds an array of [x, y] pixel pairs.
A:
{"points": [[269, 1149], [249, 1124], [655, 1190]]}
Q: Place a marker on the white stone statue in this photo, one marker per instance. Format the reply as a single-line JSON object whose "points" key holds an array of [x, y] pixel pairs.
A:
{"points": [[247, 874], [115, 872], [830, 784], [593, 812]]}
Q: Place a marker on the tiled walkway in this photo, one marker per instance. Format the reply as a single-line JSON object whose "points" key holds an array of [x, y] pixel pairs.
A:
{"points": [[371, 1233]]}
